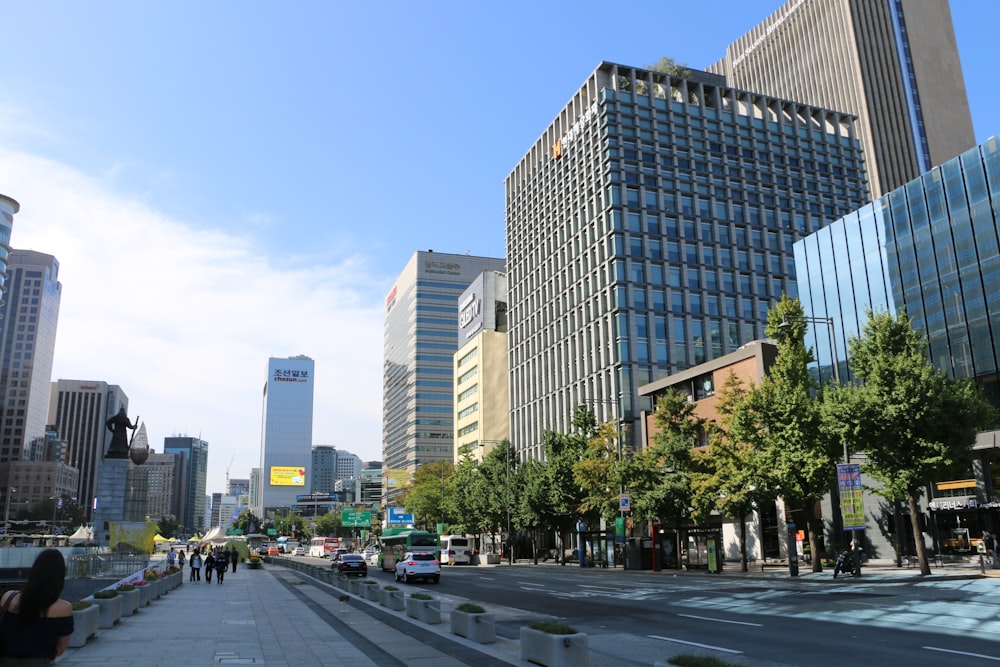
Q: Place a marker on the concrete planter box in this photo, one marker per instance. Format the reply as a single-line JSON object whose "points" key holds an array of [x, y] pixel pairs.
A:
{"points": [[371, 591], [426, 611], [145, 594], [479, 627], [395, 600], [542, 648], [492, 559], [84, 625], [343, 582], [111, 611], [176, 579], [255, 564], [130, 601], [354, 587]]}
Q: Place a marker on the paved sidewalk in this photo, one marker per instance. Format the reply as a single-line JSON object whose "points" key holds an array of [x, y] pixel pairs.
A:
{"points": [[282, 617]]}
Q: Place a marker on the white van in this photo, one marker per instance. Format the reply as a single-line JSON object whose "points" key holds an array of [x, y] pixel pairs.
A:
{"points": [[455, 550]]}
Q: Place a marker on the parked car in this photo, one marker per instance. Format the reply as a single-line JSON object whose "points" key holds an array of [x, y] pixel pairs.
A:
{"points": [[370, 556], [299, 551], [418, 566], [351, 564]]}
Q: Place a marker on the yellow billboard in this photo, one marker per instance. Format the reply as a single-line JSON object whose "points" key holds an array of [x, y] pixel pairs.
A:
{"points": [[288, 476]]}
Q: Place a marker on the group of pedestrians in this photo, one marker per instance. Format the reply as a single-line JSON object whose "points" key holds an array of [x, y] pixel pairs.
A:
{"points": [[217, 560]]}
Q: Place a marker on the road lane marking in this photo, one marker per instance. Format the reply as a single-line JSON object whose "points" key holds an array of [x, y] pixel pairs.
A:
{"points": [[708, 646], [721, 620], [971, 655]]}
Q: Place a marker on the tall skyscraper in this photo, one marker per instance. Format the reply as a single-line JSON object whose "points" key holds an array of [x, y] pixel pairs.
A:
{"points": [[79, 410], [324, 469], [286, 440], [194, 451], [421, 335], [8, 207], [29, 316], [893, 63], [650, 228]]}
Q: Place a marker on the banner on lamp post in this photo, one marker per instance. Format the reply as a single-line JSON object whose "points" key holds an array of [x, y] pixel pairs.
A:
{"points": [[852, 507]]}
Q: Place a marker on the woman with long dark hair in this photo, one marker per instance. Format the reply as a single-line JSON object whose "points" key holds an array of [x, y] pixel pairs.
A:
{"points": [[36, 623]]}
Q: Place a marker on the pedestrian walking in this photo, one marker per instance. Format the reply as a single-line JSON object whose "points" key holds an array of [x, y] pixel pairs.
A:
{"points": [[195, 566], [221, 565], [181, 560], [171, 556], [235, 558], [209, 566]]}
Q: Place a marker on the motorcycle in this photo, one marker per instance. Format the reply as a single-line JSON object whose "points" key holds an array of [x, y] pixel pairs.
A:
{"points": [[845, 564]]}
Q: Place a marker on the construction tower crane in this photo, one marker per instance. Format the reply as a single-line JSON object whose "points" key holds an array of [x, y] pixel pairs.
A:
{"points": [[227, 472]]}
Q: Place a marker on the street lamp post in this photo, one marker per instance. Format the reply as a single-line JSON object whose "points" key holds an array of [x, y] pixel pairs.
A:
{"points": [[6, 518]]}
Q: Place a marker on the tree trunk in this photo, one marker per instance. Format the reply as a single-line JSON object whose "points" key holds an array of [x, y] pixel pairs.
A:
{"points": [[743, 543], [815, 524], [534, 544], [897, 521], [918, 536]]}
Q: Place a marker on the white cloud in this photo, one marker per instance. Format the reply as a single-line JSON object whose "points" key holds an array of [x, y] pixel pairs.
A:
{"points": [[185, 318]]}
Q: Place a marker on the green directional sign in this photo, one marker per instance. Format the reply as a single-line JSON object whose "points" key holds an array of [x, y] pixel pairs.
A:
{"points": [[356, 518], [271, 532]]}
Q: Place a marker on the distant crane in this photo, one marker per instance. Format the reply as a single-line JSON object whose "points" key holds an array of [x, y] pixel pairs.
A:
{"points": [[227, 472]]}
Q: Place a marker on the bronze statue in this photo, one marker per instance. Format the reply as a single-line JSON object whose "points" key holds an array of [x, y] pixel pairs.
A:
{"points": [[119, 425]]}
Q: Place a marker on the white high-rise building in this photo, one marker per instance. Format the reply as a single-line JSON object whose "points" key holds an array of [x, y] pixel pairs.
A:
{"points": [[286, 438]]}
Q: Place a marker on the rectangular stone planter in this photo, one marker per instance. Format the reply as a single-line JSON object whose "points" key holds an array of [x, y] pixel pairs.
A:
{"points": [[542, 648], [426, 611], [343, 582], [492, 559], [130, 601], [395, 600], [371, 591], [145, 594], [84, 625], [111, 611], [479, 627], [354, 587]]}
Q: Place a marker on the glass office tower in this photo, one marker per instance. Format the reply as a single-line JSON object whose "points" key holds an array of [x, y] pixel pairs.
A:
{"points": [[286, 438], [420, 337], [650, 228], [930, 247], [195, 457]]}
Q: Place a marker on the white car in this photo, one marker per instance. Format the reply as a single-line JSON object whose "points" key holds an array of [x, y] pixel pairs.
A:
{"points": [[370, 556], [418, 566], [299, 551]]}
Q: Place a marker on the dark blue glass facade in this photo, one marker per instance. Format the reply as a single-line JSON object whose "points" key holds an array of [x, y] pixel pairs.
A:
{"points": [[930, 247]]}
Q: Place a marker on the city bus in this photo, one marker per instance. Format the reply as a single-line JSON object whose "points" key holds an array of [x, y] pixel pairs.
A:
{"points": [[323, 547], [399, 541], [455, 550]]}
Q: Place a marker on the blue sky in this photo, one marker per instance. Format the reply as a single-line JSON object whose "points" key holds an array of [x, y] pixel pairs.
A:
{"points": [[228, 181]]}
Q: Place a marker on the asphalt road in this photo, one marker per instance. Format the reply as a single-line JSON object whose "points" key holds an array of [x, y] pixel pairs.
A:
{"points": [[756, 621]]}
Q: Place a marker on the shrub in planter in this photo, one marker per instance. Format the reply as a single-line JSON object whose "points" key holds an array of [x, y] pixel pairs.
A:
{"points": [[471, 621], [423, 608], [554, 644], [392, 597], [85, 618]]}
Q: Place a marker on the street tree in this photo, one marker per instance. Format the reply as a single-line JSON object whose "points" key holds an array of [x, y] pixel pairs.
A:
{"points": [[425, 496], [782, 416], [531, 502], [912, 421], [600, 473], [659, 477], [465, 498], [731, 476], [330, 525]]}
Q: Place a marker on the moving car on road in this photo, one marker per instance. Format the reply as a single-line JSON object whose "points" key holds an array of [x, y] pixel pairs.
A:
{"points": [[418, 566], [351, 564]]}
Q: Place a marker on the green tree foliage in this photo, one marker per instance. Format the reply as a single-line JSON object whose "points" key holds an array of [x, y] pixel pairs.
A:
{"points": [[669, 66], [600, 474], [329, 525], [425, 497], [782, 417], [911, 420], [245, 520], [659, 477], [531, 499], [167, 526], [466, 499], [732, 475]]}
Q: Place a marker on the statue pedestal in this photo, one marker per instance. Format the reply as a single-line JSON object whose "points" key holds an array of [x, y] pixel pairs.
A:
{"points": [[111, 486]]}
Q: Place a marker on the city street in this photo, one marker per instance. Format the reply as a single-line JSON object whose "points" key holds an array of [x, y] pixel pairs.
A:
{"points": [[771, 619]]}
